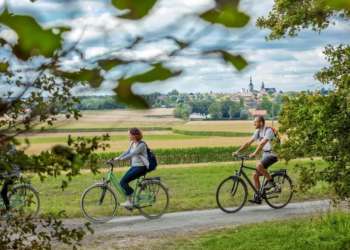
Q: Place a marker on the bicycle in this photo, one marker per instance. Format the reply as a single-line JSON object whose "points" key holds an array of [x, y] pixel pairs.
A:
{"points": [[24, 198], [99, 202], [232, 193]]}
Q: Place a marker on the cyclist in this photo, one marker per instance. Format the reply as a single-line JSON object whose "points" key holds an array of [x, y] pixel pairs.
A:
{"points": [[263, 135], [137, 153], [8, 173]]}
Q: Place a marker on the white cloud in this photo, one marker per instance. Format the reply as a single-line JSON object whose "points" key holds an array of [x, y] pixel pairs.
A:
{"points": [[288, 64]]}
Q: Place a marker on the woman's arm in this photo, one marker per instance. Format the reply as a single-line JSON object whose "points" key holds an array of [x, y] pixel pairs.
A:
{"points": [[138, 149], [124, 153]]}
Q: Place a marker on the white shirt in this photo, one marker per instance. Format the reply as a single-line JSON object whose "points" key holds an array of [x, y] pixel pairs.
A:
{"points": [[264, 133]]}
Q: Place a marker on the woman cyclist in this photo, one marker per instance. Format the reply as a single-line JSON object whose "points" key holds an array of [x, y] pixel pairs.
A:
{"points": [[137, 153]]}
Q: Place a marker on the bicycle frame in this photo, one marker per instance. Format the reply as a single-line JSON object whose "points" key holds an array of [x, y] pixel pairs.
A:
{"points": [[241, 172], [112, 178]]}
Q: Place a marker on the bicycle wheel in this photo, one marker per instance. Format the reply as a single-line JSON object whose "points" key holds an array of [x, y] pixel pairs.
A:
{"points": [[24, 198], [152, 199], [231, 194], [282, 193], [98, 203]]}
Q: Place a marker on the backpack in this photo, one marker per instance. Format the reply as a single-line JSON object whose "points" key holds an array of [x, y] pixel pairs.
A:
{"points": [[276, 134], [152, 159]]}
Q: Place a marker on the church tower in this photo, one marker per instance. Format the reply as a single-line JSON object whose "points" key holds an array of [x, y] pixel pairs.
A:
{"points": [[251, 85], [262, 85]]}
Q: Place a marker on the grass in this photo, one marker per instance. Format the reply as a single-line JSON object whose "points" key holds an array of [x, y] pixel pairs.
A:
{"points": [[326, 232], [191, 187]]}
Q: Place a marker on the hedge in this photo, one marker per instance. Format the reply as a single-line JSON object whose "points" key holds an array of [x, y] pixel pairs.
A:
{"points": [[211, 133], [182, 155]]}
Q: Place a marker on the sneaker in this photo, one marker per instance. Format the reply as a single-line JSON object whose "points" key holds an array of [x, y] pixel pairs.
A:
{"points": [[127, 204], [270, 184], [256, 200]]}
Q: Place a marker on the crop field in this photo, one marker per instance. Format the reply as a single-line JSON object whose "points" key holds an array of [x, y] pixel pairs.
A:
{"points": [[120, 142], [121, 118], [161, 130], [227, 126], [157, 123]]}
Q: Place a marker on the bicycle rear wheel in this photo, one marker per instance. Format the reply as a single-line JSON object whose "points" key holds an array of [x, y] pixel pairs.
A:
{"points": [[24, 198], [98, 203], [231, 194], [280, 195], [152, 199]]}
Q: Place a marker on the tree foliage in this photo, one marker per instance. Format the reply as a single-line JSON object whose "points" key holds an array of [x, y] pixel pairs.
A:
{"points": [[289, 17], [317, 124]]}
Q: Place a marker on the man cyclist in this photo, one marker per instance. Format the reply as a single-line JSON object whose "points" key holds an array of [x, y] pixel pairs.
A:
{"points": [[263, 135]]}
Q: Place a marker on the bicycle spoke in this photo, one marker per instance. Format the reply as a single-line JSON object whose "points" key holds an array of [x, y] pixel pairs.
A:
{"points": [[281, 194], [98, 203], [152, 199], [231, 195]]}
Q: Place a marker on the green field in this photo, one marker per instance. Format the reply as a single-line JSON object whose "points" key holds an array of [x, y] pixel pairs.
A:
{"points": [[326, 232], [190, 186]]}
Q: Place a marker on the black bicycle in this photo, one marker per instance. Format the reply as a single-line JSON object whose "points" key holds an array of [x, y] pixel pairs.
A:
{"points": [[232, 192]]}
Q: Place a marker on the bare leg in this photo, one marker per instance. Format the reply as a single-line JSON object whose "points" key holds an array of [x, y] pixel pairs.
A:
{"points": [[256, 180], [260, 168]]}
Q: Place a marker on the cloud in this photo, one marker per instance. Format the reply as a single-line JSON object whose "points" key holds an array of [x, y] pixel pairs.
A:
{"points": [[288, 64]]}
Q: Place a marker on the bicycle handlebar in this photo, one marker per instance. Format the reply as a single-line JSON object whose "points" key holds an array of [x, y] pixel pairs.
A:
{"points": [[241, 157]]}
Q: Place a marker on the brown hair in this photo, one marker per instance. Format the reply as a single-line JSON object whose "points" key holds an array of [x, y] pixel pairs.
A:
{"points": [[261, 118], [137, 133]]}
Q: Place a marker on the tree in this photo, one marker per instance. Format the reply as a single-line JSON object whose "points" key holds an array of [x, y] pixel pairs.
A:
{"points": [[235, 110], [182, 111], [225, 108], [215, 111], [243, 115], [316, 123], [288, 17], [266, 104]]}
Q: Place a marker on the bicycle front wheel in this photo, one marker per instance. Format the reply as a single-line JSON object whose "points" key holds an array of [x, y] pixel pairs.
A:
{"points": [[25, 198], [231, 194], [98, 203], [280, 195], [152, 199]]}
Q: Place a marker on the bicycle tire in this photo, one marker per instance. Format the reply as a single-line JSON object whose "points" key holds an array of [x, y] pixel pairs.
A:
{"points": [[236, 181], [25, 187], [83, 203], [290, 195], [162, 187]]}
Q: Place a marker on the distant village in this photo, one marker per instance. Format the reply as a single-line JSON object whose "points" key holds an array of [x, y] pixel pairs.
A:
{"points": [[255, 99], [247, 103]]}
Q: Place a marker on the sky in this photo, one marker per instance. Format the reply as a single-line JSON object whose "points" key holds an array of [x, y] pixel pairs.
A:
{"points": [[287, 64]]}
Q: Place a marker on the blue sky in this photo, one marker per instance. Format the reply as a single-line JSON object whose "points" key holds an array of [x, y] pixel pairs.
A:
{"points": [[287, 64]]}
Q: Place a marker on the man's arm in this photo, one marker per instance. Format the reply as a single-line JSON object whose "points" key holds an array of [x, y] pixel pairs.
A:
{"points": [[244, 146], [259, 147]]}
